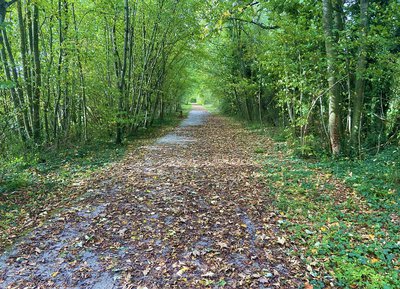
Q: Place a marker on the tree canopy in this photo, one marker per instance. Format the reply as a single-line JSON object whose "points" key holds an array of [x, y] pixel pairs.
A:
{"points": [[76, 70]]}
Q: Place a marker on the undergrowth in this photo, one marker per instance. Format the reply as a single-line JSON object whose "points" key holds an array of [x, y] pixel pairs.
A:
{"points": [[343, 213]]}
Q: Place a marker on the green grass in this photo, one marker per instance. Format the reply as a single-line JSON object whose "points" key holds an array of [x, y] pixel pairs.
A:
{"points": [[344, 214], [28, 185], [377, 177], [45, 169]]}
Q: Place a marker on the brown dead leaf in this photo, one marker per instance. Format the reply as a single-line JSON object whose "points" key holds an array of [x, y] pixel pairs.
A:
{"points": [[308, 286]]}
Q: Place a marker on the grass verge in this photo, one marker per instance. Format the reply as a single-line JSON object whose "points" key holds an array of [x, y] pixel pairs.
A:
{"points": [[343, 214]]}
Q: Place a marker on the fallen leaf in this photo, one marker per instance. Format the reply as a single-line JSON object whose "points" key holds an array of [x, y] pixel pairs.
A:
{"points": [[308, 286], [181, 271], [374, 260], [222, 245], [281, 241], [146, 272], [208, 274]]}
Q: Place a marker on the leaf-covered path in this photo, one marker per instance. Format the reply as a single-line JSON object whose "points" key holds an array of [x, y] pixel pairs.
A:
{"points": [[185, 212]]}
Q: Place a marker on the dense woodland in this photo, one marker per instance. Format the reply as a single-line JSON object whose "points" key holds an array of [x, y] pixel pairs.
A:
{"points": [[76, 70], [327, 71]]}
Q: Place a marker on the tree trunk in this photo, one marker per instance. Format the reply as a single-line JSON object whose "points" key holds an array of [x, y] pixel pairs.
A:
{"points": [[38, 76], [83, 117], [360, 73], [50, 61], [14, 96], [339, 26], [12, 75], [25, 68], [59, 69], [334, 111], [121, 73]]}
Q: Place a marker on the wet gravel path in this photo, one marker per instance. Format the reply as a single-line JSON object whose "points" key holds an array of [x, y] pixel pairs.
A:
{"points": [[185, 212]]}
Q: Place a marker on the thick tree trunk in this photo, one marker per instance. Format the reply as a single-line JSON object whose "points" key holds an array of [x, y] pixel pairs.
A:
{"points": [[334, 93], [67, 95]]}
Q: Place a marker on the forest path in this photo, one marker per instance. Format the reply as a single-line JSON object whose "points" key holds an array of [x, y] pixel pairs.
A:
{"points": [[184, 212]]}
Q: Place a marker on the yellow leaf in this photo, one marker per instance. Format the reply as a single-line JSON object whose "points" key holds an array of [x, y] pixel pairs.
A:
{"points": [[54, 274], [181, 271], [374, 260]]}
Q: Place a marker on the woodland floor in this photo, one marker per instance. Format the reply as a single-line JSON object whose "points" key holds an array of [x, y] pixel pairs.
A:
{"points": [[187, 211]]}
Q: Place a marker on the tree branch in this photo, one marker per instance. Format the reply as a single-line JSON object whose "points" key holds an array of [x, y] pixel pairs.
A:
{"points": [[263, 26], [251, 4], [9, 3]]}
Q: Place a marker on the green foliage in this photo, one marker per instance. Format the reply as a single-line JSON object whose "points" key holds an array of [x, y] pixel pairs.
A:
{"points": [[267, 63], [375, 177], [348, 231], [57, 165], [259, 150], [81, 56]]}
